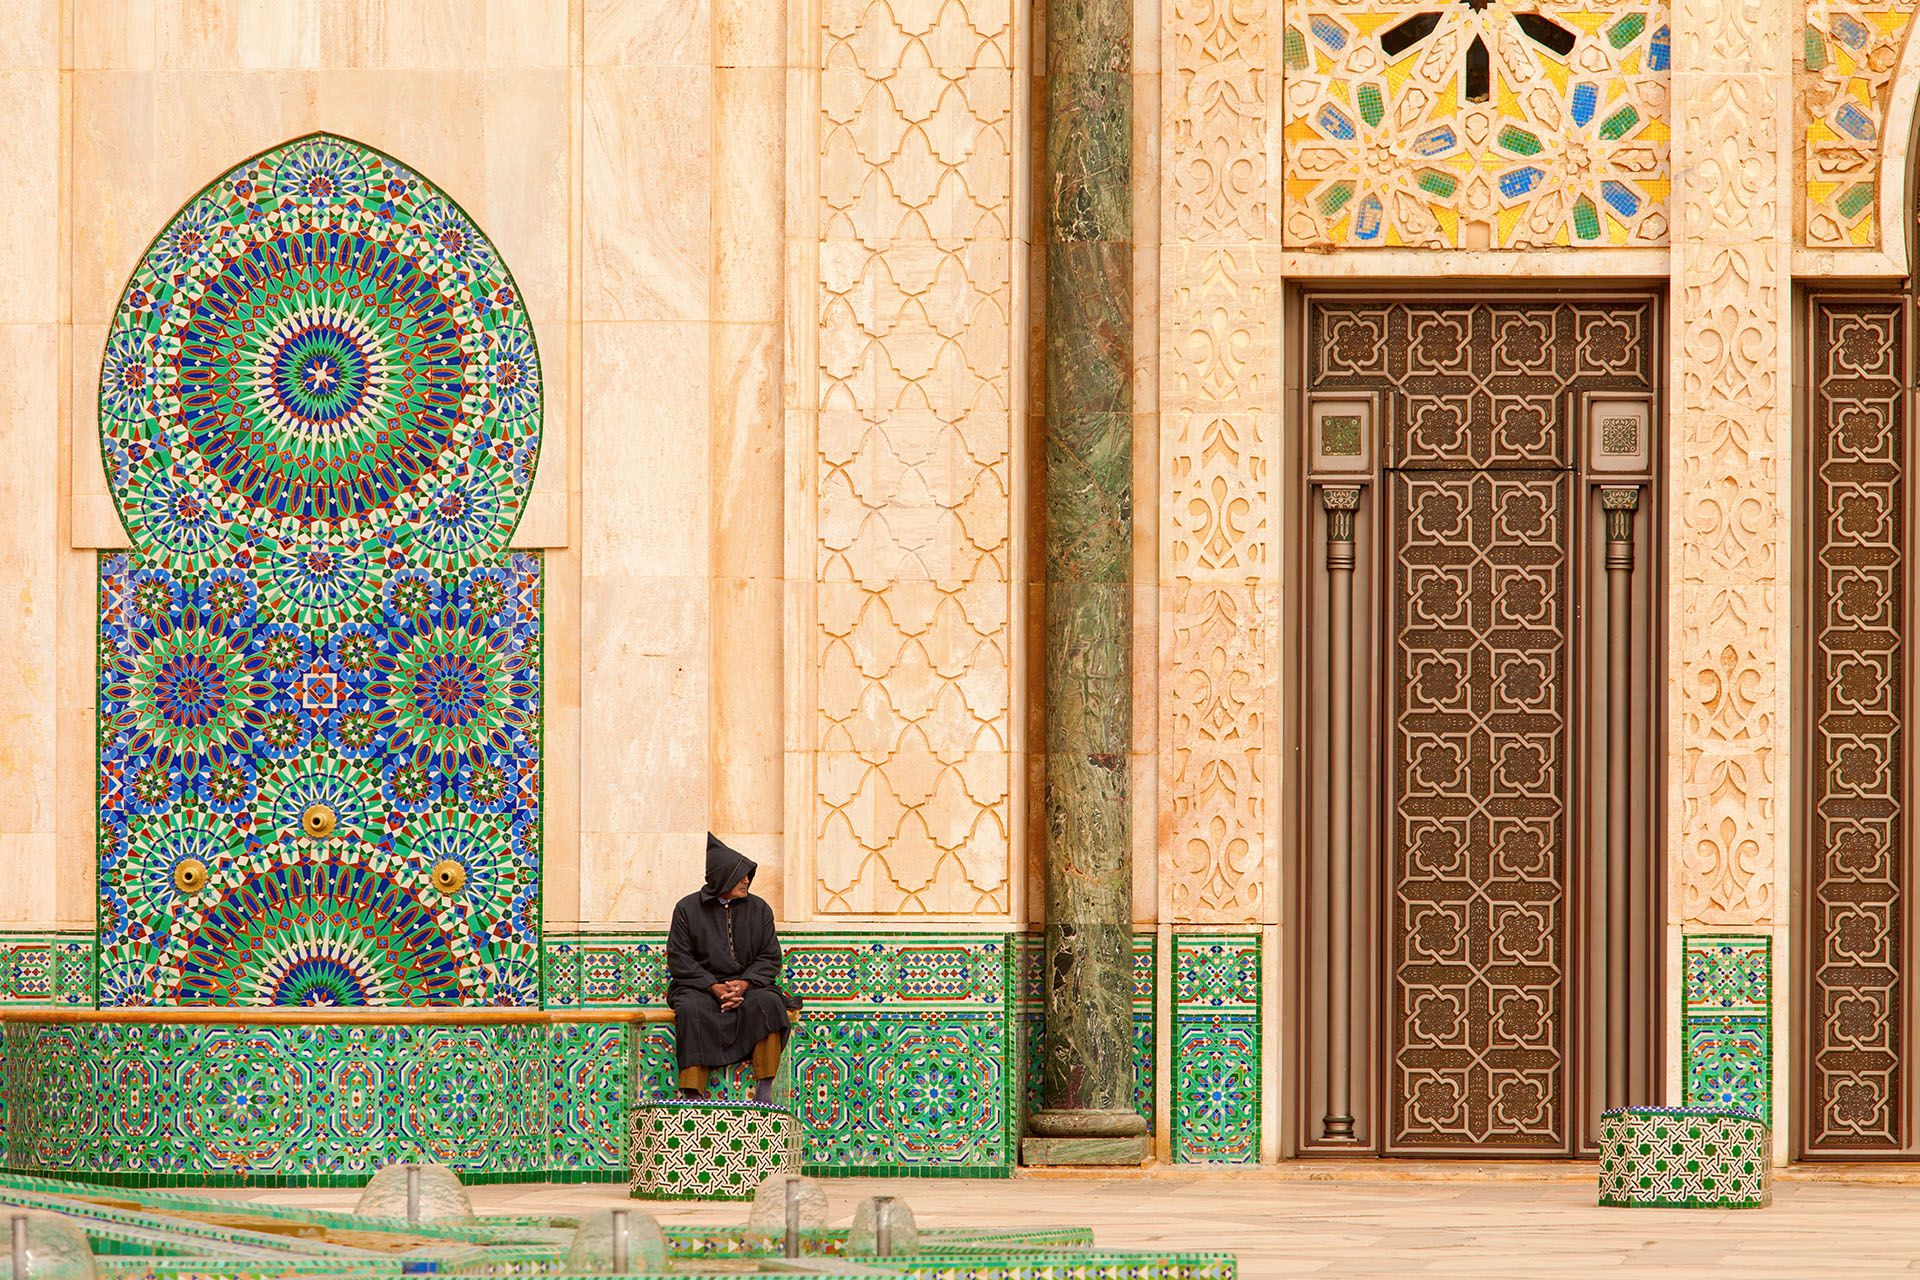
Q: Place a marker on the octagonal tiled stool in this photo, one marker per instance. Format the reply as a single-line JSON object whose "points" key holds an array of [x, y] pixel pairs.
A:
{"points": [[695, 1149], [1685, 1158]]}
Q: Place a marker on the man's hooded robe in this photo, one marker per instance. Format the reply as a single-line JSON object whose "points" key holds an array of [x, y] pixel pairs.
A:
{"points": [[713, 940]]}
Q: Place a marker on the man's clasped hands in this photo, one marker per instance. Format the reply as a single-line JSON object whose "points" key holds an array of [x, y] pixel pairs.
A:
{"points": [[729, 993]]}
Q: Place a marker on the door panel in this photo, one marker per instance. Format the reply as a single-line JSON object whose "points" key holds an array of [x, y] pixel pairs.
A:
{"points": [[1477, 631]]}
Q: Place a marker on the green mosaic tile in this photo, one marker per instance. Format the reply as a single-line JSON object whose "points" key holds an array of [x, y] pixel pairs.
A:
{"points": [[1216, 1048], [41, 969], [1727, 1022]]}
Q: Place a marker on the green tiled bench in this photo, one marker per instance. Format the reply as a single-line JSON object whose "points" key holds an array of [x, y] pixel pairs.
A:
{"points": [[1685, 1158]]}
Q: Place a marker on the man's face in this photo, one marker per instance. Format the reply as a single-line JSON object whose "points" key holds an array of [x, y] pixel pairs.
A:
{"points": [[739, 890]]}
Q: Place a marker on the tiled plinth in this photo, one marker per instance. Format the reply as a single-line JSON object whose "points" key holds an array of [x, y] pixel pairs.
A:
{"points": [[1684, 1158], [692, 1150]]}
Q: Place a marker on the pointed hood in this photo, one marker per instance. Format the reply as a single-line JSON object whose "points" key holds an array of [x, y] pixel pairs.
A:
{"points": [[725, 868]]}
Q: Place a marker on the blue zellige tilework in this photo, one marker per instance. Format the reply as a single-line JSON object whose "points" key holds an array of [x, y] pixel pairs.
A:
{"points": [[1728, 1018]]}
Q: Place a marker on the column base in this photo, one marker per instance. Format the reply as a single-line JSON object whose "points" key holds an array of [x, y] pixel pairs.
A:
{"points": [[1095, 1152]]}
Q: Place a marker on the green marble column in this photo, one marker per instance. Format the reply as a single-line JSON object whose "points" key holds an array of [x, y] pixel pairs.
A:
{"points": [[1087, 1115]]}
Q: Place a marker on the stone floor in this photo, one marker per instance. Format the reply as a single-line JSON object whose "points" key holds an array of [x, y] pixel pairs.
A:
{"points": [[1478, 1222]]}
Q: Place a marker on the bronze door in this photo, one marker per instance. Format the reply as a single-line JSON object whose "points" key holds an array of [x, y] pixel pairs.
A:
{"points": [[1856, 989], [1478, 934]]}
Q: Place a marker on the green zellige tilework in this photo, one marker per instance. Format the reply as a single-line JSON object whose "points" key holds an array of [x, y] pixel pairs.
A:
{"points": [[313, 1104], [1729, 1022], [900, 1062], [1216, 1048], [46, 969]]}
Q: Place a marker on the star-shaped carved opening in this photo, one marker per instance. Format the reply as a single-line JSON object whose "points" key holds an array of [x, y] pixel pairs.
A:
{"points": [[1537, 27]]}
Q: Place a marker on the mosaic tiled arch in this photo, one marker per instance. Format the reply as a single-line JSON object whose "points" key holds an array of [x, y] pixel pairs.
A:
{"points": [[1476, 123], [320, 415]]}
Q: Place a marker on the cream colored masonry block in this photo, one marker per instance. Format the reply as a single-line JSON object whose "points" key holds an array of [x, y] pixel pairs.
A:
{"points": [[644, 452], [748, 172], [76, 735], [747, 497], [647, 200], [644, 681], [30, 206], [749, 33], [29, 583], [28, 869], [633, 878], [652, 33]]}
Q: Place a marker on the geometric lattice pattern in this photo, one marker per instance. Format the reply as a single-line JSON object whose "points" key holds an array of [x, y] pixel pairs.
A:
{"points": [[1849, 50], [709, 1151], [1216, 1048], [909, 517], [1856, 890], [1728, 1023], [1459, 124], [46, 969], [314, 1104], [902, 1061], [1684, 1158], [320, 413], [1480, 524]]}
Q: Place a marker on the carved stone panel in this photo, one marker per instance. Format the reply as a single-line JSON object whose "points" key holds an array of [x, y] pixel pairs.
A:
{"points": [[1856, 876]]}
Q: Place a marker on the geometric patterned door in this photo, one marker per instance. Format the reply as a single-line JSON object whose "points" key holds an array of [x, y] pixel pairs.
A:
{"points": [[1484, 559], [1857, 914], [319, 718]]}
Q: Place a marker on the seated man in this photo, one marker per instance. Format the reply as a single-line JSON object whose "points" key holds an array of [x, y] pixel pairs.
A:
{"points": [[724, 959]]}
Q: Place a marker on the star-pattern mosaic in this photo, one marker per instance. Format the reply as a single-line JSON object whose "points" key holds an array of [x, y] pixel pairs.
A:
{"points": [[320, 415], [1476, 124]]}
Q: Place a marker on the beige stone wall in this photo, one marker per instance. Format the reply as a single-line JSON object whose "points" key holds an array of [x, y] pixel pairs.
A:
{"points": [[625, 156]]}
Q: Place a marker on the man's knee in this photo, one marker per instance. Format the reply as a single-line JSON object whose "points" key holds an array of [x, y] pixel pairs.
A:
{"points": [[764, 998]]}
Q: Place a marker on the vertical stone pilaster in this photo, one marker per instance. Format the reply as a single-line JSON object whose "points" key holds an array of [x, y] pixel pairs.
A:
{"points": [[1730, 638], [1088, 1116]]}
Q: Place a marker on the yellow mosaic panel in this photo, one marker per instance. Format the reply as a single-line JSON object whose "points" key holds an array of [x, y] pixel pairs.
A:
{"points": [[1476, 124], [1849, 53]]}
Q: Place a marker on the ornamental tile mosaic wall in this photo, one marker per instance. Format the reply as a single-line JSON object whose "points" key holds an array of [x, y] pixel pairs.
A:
{"points": [[1462, 124], [900, 1063], [1216, 1048], [185, 1104], [1849, 53], [320, 415], [1729, 1022], [40, 969]]}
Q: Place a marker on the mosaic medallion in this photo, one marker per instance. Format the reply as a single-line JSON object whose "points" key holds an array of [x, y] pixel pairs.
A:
{"points": [[320, 415]]}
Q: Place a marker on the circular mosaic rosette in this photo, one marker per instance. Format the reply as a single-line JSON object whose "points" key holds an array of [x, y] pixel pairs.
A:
{"points": [[320, 347], [344, 931]]}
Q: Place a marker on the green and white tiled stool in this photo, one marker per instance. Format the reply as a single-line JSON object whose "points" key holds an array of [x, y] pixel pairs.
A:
{"points": [[1685, 1158], [699, 1150]]}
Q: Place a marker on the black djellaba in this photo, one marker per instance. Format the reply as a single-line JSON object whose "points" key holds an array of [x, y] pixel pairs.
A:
{"points": [[724, 958]]}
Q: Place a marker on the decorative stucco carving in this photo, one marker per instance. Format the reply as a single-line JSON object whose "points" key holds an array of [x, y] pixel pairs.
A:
{"points": [[911, 591]]}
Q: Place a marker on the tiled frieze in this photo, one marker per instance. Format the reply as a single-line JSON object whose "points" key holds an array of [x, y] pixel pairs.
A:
{"points": [[903, 1059], [1849, 52], [321, 1104], [1216, 1048], [1728, 1022], [1443, 124], [908, 475], [46, 969]]}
